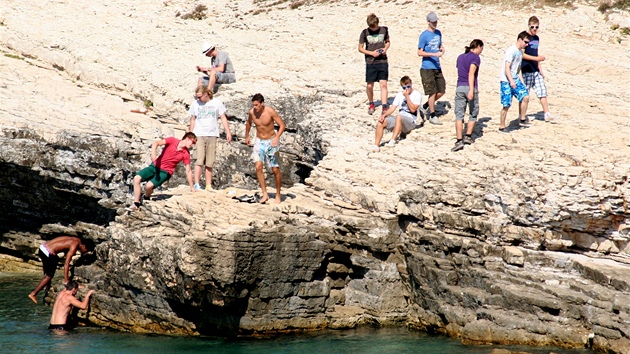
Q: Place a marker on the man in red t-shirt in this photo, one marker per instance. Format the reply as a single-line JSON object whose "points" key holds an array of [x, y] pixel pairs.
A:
{"points": [[162, 168]]}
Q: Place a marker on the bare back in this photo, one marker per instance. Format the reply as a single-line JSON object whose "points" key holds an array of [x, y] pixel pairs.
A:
{"points": [[264, 122], [63, 244], [64, 303], [62, 307]]}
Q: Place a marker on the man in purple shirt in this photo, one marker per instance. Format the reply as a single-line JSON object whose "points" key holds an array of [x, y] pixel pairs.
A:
{"points": [[466, 93]]}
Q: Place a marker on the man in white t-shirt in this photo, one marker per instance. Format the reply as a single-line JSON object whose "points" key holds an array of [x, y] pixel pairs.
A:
{"points": [[407, 102], [512, 81], [204, 114]]}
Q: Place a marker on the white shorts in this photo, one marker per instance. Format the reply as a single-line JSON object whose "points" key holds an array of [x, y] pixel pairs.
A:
{"points": [[536, 81], [408, 121]]}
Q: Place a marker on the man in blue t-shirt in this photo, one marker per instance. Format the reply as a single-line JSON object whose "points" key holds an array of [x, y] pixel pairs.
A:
{"points": [[430, 48], [532, 70]]}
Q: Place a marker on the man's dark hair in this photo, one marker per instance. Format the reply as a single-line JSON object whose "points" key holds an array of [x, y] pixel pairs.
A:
{"points": [[190, 135], [89, 244], [258, 98], [523, 35], [72, 285]]}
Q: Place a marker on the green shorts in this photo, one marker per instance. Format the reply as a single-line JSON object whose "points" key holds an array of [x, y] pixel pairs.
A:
{"points": [[153, 175]]}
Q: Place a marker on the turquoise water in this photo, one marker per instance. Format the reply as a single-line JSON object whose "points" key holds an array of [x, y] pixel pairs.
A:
{"points": [[23, 329]]}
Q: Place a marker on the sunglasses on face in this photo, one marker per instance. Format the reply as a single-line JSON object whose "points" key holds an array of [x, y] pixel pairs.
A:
{"points": [[406, 87], [534, 27]]}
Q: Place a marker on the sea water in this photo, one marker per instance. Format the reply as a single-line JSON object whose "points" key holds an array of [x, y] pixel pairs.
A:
{"points": [[23, 329]]}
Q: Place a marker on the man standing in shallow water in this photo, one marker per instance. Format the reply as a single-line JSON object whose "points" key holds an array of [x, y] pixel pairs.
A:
{"points": [[63, 305], [266, 144]]}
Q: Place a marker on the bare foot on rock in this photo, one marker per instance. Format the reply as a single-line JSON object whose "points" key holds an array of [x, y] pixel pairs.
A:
{"points": [[278, 200], [33, 297], [264, 199]]}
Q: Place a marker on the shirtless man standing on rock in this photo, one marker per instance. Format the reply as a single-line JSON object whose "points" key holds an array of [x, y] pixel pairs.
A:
{"points": [[48, 254], [63, 305], [266, 144]]}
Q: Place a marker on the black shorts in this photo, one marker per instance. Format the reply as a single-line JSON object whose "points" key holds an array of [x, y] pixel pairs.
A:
{"points": [[433, 81], [376, 72], [49, 263]]}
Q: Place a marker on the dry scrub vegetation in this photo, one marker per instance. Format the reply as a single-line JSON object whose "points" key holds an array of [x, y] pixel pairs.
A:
{"points": [[198, 13], [606, 6]]}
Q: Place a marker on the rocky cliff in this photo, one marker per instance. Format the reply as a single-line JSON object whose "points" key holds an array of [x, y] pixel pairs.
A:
{"points": [[519, 238]]}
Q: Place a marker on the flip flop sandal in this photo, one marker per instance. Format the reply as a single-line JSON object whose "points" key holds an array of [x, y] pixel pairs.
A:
{"points": [[246, 199]]}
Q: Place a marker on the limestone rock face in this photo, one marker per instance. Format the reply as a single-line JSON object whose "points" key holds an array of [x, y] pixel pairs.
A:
{"points": [[519, 238], [199, 263]]}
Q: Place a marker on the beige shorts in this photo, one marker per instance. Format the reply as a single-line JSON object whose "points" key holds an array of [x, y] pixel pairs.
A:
{"points": [[206, 150]]}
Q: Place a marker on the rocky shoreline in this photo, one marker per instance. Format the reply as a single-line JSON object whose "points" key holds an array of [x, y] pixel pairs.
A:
{"points": [[520, 239]]}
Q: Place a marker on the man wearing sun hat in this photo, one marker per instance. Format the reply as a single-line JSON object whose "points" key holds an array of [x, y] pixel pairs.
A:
{"points": [[221, 69]]}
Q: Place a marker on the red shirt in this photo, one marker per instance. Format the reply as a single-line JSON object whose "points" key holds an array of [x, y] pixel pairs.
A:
{"points": [[170, 156]]}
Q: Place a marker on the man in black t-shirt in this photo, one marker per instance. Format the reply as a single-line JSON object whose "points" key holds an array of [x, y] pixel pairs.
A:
{"points": [[531, 68], [374, 42]]}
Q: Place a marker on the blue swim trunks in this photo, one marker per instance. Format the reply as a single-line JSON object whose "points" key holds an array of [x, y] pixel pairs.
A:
{"points": [[507, 92], [265, 153]]}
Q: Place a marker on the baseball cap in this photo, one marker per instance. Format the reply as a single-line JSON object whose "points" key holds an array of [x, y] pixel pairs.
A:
{"points": [[432, 17], [205, 47]]}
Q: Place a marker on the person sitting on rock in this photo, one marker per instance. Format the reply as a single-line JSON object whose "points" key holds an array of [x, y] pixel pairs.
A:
{"points": [[48, 252], [63, 305], [162, 168], [221, 69], [406, 120]]}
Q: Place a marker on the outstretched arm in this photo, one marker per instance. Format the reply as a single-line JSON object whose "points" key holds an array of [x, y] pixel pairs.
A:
{"points": [[81, 304], [66, 267]]}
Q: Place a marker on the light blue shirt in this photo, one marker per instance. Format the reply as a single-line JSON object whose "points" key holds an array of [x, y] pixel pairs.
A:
{"points": [[430, 42]]}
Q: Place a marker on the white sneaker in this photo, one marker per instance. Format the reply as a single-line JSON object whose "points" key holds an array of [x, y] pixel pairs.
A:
{"points": [[549, 118], [132, 208], [375, 148], [391, 143], [435, 120]]}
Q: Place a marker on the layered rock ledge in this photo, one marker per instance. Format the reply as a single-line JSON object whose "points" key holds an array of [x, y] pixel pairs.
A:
{"points": [[519, 238]]}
